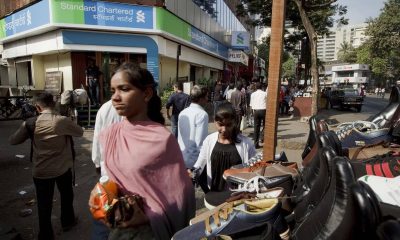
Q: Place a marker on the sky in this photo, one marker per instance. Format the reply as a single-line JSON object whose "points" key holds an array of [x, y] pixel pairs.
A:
{"points": [[359, 10]]}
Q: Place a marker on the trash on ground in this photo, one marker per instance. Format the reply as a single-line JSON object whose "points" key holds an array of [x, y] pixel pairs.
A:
{"points": [[31, 202], [22, 192], [25, 212], [20, 156], [26, 168]]}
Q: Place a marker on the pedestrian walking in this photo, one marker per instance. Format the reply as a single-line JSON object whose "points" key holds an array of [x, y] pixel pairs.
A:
{"points": [[193, 129], [228, 91], [383, 92], [258, 105], [238, 101], [218, 95], [144, 158], [52, 159], [178, 101], [92, 74]]}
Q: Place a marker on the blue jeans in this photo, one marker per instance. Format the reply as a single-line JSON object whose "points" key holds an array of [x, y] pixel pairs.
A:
{"points": [[94, 91], [174, 125], [99, 231]]}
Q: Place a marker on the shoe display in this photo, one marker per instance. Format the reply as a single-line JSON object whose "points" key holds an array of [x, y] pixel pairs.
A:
{"points": [[354, 138], [215, 200], [387, 190], [262, 169], [237, 217], [316, 126], [385, 165], [314, 184], [389, 229], [258, 159]]}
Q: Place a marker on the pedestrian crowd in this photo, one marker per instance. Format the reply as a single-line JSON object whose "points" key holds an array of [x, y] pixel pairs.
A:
{"points": [[133, 148], [380, 92]]}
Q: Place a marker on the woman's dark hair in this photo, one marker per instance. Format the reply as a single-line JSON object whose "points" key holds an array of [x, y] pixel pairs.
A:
{"points": [[142, 79], [226, 111]]}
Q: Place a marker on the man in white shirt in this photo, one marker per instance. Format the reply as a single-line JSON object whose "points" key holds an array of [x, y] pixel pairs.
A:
{"points": [[106, 116], [229, 90], [258, 104], [193, 126]]}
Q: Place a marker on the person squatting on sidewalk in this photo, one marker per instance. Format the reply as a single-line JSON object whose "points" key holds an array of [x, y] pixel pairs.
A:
{"points": [[258, 105], [178, 101], [131, 160], [52, 157]]}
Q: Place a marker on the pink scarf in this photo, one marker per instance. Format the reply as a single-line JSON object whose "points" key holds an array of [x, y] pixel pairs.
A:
{"points": [[144, 158]]}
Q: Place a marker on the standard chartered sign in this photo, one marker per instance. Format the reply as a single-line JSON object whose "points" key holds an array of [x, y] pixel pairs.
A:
{"points": [[102, 14], [27, 19]]}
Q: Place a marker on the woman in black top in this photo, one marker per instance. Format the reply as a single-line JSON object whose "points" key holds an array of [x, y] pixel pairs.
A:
{"points": [[224, 148]]}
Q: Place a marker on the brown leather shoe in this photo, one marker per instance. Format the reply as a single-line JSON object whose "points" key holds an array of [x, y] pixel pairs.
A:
{"points": [[274, 170], [260, 168]]}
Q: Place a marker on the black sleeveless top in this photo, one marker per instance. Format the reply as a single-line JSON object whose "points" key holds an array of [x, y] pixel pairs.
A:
{"points": [[223, 157]]}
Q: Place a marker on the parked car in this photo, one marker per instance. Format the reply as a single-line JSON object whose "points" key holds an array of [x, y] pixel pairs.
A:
{"points": [[346, 98]]}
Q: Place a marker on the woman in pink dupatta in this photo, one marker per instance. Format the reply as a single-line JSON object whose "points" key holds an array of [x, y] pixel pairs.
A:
{"points": [[143, 157]]}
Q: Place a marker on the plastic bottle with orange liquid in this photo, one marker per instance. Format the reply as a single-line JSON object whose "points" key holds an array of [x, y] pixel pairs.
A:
{"points": [[106, 197]]}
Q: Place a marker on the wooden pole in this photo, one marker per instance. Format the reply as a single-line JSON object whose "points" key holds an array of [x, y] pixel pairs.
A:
{"points": [[274, 78]]}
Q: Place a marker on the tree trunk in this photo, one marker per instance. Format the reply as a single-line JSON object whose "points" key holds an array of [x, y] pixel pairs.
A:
{"points": [[312, 35]]}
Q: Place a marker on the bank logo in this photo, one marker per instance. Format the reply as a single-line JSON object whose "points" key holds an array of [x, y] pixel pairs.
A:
{"points": [[28, 18], [140, 17], [240, 39]]}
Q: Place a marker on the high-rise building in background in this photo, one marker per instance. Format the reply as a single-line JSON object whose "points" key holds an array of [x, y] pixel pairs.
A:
{"points": [[329, 45]]}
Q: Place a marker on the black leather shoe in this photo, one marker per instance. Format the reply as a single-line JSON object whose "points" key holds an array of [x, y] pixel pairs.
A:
{"points": [[334, 206], [389, 230], [317, 126], [315, 184]]}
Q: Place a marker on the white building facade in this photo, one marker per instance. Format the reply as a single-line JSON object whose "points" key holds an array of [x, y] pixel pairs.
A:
{"points": [[352, 74]]}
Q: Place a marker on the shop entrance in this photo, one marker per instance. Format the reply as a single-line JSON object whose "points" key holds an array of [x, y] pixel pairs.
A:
{"points": [[107, 63]]}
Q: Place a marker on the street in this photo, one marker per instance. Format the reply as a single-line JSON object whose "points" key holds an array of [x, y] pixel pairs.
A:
{"points": [[17, 190]]}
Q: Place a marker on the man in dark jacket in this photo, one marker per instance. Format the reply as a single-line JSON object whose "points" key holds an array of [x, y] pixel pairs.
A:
{"points": [[178, 101]]}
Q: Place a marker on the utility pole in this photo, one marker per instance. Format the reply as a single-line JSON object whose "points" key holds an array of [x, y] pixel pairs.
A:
{"points": [[274, 78], [178, 53]]}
